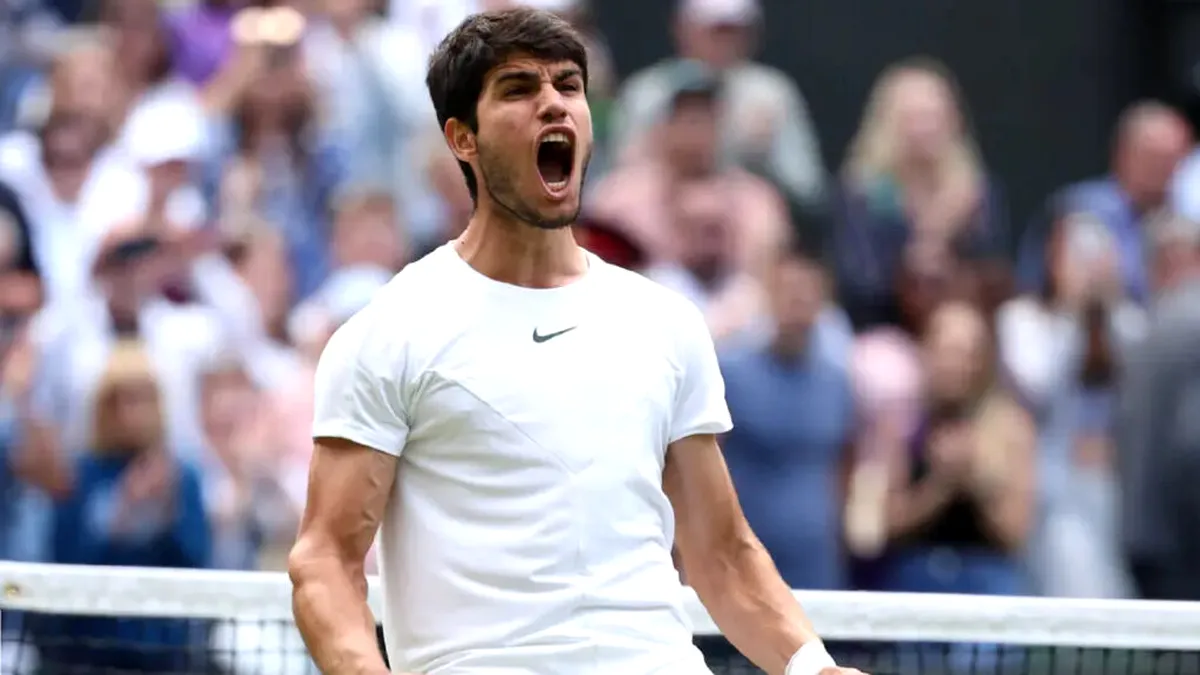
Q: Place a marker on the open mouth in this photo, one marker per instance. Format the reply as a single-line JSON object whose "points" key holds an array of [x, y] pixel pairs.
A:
{"points": [[556, 160]]}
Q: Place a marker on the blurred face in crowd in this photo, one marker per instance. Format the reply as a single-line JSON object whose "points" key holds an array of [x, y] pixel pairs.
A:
{"points": [[1149, 149], [133, 407], [228, 398], [719, 45], [69, 142], [365, 232], [690, 136], [956, 351], [797, 293], [924, 116], [703, 221], [534, 140], [279, 103], [82, 83]]}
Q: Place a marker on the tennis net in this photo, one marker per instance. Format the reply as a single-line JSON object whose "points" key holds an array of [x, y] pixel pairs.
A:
{"points": [[59, 620]]}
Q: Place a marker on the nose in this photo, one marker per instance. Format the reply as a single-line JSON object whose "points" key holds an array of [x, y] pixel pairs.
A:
{"points": [[552, 107]]}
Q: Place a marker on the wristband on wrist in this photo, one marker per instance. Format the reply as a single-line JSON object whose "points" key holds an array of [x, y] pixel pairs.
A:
{"points": [[811, 659]]}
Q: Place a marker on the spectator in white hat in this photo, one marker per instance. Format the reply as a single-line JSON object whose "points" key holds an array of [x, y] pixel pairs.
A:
{"points": [[765, 123]]}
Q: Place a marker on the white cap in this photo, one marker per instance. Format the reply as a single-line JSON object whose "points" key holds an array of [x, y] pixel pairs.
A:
{"points": [[714, 12], [165, 131]]}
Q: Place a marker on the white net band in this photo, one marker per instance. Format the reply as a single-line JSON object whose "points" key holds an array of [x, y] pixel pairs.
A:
{"points": [[875, 617]]}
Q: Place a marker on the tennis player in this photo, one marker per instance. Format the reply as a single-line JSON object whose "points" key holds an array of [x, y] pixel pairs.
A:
{"points": [[528, 428]]}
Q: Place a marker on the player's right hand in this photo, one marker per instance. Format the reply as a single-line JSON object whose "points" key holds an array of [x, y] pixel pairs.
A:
{"points": [[841, 671]]}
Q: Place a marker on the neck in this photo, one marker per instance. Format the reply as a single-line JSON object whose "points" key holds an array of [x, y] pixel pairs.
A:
{"points": [[789, 346], [507, 250]]}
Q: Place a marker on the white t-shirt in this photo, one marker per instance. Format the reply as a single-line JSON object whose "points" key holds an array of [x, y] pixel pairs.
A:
{"points": [[528, 531]]}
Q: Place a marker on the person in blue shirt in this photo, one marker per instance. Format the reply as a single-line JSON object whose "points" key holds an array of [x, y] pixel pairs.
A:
{"points": [[793, 410], [132, 503]]}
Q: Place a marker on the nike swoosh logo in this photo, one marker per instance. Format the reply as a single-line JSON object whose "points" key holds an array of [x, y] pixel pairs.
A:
{"points": [[550, 336]]}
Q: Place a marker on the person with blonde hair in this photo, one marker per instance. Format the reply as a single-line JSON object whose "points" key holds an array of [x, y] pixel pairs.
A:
{"points": [[913, 182], [131, 502]]}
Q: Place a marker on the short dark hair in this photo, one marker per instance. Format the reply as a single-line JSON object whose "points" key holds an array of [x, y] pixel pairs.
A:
{"points": [[480, 43]]}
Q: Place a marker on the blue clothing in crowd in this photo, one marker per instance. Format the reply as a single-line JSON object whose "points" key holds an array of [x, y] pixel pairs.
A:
{"points": [[175, 534], [792, 422]]}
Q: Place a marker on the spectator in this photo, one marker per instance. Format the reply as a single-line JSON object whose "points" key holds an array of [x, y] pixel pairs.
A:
{"points": [[1062, 349], [706, 273], [912, 180], [131, 502], [72, 188], [283, 172], [251, 516], [636, 196], [962, 497], [765, 122], [367, 231], [1158, 438], [74, 338], [890, 384], [1151, 141], [793, 411], [370, 76]]}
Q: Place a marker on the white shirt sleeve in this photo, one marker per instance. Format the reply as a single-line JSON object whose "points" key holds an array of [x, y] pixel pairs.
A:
{"points": [[358, 388], [699, 406]]}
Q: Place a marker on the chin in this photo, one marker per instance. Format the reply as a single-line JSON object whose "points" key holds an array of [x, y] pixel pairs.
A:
{"points": [[558, 215]]}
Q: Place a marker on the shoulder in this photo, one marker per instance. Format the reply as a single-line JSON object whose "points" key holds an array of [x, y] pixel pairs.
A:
{"points": [[647, 296], [1003, 413]]}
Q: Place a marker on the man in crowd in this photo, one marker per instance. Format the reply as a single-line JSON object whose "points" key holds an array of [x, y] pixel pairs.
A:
{"points": [[1159, 427]]}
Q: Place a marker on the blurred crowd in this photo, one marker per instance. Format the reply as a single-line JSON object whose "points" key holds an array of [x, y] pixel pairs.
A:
{"points": [[927, 395]]}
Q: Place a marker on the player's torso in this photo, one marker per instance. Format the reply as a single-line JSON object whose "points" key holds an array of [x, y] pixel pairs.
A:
{"points": [[529, 504]]}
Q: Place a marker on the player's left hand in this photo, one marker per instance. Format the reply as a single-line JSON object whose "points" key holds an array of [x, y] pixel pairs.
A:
{"points": [[841, 671]]}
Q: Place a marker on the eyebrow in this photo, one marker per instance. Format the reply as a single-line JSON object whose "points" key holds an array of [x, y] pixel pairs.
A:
{"points": [[528, 75]]}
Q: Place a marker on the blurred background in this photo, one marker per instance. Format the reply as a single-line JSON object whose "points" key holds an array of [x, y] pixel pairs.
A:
{"points": [[949, 253]]}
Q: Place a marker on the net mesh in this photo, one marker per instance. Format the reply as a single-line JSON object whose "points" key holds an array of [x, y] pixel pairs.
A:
{"points": [[60, 620]]}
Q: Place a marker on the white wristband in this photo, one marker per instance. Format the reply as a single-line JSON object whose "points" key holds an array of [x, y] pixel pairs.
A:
{"points": [[811, 659]]}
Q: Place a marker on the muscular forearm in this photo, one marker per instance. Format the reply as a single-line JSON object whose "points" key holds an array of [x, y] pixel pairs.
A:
{"points": [[330, 604], [754, 608]]}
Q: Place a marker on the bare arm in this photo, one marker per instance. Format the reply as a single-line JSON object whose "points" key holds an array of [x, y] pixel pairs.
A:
{"points": [[725, 562], [1006, 492], [348, 489]]}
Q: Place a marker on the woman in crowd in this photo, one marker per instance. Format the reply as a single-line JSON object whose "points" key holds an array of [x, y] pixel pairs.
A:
{"points": [[913, 179], [131, 503], [960, 502], [1062, 349]]}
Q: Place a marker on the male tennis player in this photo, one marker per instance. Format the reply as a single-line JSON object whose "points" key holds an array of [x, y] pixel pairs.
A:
{"points": [[529, 428]]}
